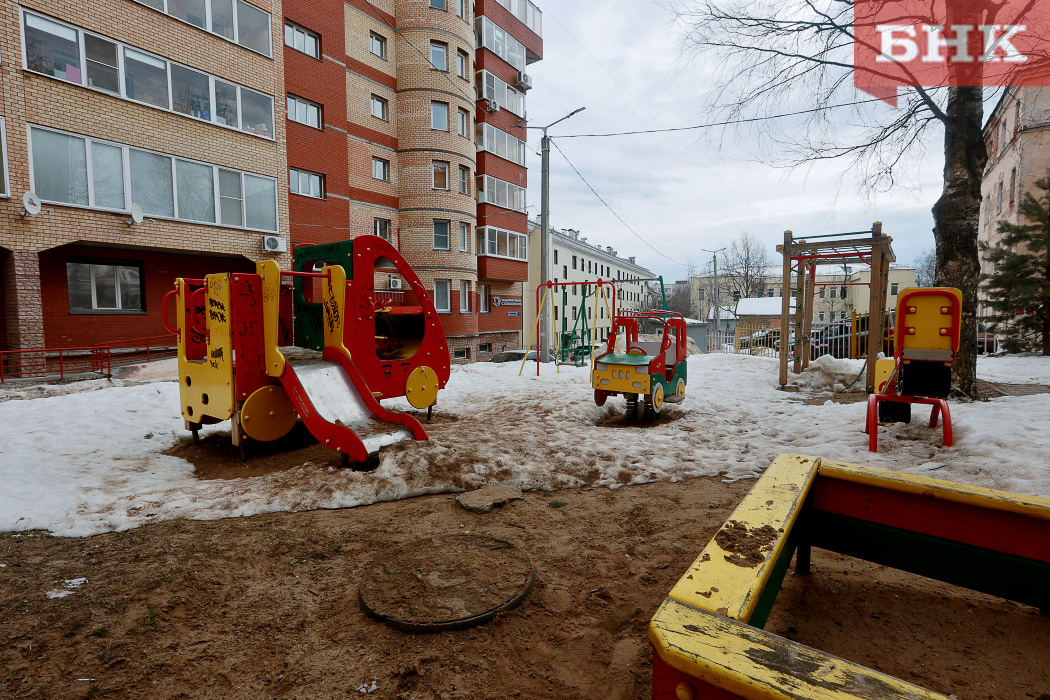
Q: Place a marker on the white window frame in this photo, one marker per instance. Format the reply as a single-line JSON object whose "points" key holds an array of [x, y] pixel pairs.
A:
{"points": [[461, 354], [5, 171], [489, 193], [121, 93], [294, 175], [894, 288], [491, 236], [500, 42], [464, 180], [385, 164], [435, 167], [126, 163], [464, 236], [448, 234], [485, 348], [447, 106], [464, 296], [372, 37], [484, 298], [462, 64], [527, 12], [447, 309], [444, 47], [377, 228], [236, 25], [298, 29], [463, 122], [491, 87], [820, 316], [499, 143], [95, 308], [382, 102], [296, 100], [462, 8]]}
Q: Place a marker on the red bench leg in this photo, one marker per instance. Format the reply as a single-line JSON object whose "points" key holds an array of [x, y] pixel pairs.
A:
{"points": [[933, 414], [948, 437], [871, 425]]}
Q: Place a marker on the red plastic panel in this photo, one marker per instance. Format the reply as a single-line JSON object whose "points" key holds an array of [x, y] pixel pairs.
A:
{"points": [[996, 530], [196, 338], [246, 318]]}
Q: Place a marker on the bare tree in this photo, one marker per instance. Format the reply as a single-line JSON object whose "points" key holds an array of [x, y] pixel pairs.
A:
{"points": [[746, 265], [926, 268], [770, 52], [679, 299]]}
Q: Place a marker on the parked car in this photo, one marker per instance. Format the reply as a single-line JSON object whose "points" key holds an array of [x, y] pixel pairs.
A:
{"points": [[517, 355], [986, 341], [768, 338], [834, 338]]}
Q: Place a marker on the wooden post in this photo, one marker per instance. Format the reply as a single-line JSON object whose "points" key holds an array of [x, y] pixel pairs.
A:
{"points": [[785, 307], [876, 301], [807, 326], [786, 332]]}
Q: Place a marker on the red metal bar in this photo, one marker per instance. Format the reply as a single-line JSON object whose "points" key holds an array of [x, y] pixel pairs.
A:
{"points": [[293, 273]]}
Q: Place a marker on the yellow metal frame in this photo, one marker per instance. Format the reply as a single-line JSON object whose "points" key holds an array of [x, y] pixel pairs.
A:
{"points": [[700, 628], [270, 273], [206, 386]]}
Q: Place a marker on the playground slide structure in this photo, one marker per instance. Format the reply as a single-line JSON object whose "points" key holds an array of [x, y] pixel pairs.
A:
{"points": [[350, 352], [655, 370]]}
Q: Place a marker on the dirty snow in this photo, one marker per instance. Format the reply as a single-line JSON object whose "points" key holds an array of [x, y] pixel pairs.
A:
{"points": [[83, 463]]}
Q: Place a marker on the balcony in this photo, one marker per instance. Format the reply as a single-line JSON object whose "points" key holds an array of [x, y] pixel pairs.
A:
{"points": [[493, 268]]}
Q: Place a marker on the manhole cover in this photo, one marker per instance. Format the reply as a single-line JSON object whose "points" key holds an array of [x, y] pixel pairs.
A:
{"points": [[447, 582]]}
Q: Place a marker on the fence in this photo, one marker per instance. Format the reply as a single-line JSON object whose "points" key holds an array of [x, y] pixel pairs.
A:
{"points": [[93, 359], [747, 338]]}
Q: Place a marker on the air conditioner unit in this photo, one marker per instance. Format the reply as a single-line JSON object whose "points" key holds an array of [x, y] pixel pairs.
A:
{"points": [[394, 283], [524, 80], [274, 244], [492, 105]]}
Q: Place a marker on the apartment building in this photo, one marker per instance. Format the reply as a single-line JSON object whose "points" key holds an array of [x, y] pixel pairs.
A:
{"points": [[574, 259], [113, 106], [406, 119], [1017, 136]]}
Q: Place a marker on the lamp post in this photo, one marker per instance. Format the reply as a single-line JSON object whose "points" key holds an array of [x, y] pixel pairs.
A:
{"points": [[718, 310], [545, 155]]}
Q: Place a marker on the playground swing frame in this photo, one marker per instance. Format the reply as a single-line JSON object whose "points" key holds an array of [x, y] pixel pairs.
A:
{"points": [[547, 289], [801, 258]]}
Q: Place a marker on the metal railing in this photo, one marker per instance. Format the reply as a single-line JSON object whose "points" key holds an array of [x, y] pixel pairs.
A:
{"points": [[88, 359]]}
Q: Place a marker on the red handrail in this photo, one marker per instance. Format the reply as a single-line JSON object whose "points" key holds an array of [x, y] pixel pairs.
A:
{"points": [[86, 358]]}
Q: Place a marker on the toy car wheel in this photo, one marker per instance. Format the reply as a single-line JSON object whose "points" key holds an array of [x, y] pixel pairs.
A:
{"points": [[600, 397], [679, 387], [656, 398]]}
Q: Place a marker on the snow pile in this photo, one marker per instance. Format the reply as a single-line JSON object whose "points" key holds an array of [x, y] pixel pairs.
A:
{"points": [[1027, 368], [93, 462], [829, 374]]}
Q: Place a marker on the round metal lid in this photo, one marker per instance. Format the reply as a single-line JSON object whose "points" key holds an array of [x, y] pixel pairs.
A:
{"points": [[446, 582]]}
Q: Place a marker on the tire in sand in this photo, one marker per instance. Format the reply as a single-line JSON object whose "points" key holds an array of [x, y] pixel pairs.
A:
{"points": [[447, 582]]}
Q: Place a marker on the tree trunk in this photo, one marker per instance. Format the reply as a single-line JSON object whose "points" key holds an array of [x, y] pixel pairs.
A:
{"points": [[956, 216]]}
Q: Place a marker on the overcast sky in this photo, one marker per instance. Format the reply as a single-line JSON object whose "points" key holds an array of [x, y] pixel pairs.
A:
{"points": [[686, 191]]}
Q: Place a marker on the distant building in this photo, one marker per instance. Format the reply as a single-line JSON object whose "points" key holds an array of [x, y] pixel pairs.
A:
{"points": [[1017, 136], [573, 259]]}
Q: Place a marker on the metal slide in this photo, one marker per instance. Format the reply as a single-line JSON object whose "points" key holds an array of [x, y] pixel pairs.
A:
{"points": [[339, 410]]}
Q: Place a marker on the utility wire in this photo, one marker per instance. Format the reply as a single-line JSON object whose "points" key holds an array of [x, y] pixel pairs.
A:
{"points": [[659, 252], [725, 123]]}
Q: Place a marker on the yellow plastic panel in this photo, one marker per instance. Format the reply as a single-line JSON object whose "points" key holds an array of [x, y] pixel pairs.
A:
{"points": [[206, 386], [333, 292], [268, 414], [421, 387], [928, 321], [883, 370], [270, 272], [757, 665], [1031, 506], [729, 575]]}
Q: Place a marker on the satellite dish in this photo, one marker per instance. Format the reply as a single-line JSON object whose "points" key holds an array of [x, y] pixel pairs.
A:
{"points": [[31, 203], [136, 213]]}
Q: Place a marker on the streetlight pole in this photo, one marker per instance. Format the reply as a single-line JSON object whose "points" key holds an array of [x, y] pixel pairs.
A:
{"points": [[545, 196], [718, 308]]}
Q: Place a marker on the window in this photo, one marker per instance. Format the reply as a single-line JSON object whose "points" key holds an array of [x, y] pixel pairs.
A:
{"points": [[555, 256], [164, 186], [530, 15], [441, 234], [843, 315], [821, 316], [5, 184], [464, 180], [501, 193], [483, 298], [492, 88], [894, 288], [461, 8], [381, 169], [306, 183], [495, 39], [440, 174], [700, 294], [464, 236], [304, 111], [770, 292], [438, 55], [190, 11], [500, 143], [463, 123], [438, 4], [503, 244], [823, 292], [253, 28], [379, 108], [736, 296], [302, 39], [377, 44], [442, 300], [104, 286], [439, 116], [463, 353], [588, 267], [462, 64], [464, 296], [564, 270], [485, 347], [573, 263], [54, 49], [381, 228], [1013, 185]]}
